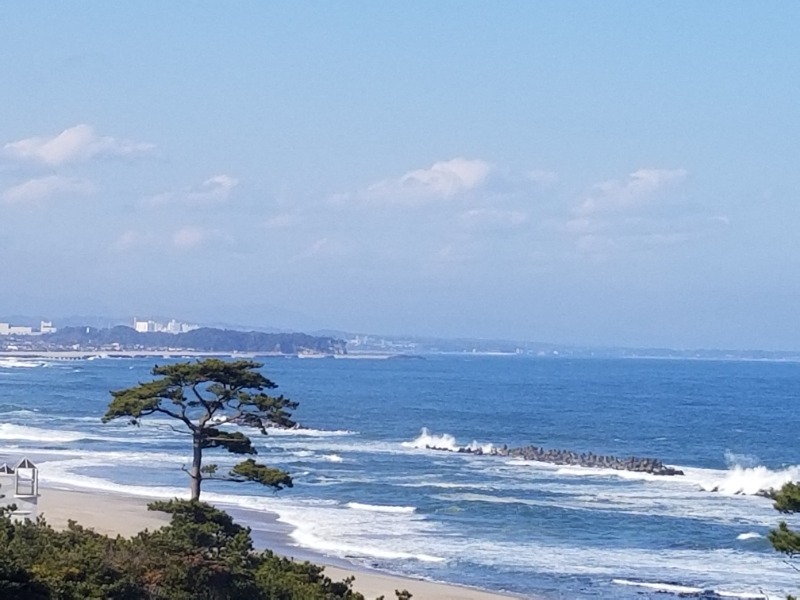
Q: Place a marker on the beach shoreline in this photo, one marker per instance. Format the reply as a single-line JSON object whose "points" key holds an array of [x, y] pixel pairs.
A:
{"points": [[126, 515]]}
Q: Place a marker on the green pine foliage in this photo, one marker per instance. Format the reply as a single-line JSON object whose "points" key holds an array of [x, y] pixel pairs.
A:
{"points": [[787, 499], [784, 539], [201, 555], [201, 395]]}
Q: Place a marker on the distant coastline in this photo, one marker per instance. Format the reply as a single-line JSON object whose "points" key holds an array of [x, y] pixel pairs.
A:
{"points": [[122, 341], [125, 342]]}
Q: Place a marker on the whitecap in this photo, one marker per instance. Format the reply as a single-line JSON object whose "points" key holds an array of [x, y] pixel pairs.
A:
{"points": [[661, 587], [746, 481], [687, 591], [308, 432], [309, 540], [16, 363], [381, 508], [9, 431], [430, 441]]}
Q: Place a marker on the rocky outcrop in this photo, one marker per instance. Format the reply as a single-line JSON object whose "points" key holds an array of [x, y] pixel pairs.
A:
{"points": [[570, 458]]}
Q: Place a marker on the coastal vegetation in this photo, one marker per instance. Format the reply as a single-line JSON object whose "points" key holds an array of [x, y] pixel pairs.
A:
{"points": [[203, 339], [201, 555], [202, 397], [784, 539]]}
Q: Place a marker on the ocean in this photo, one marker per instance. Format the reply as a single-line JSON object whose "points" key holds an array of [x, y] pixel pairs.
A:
{"points": [[368, 491]]}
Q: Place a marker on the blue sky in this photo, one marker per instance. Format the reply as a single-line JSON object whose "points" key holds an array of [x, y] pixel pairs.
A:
{"points": [[616, 173]]}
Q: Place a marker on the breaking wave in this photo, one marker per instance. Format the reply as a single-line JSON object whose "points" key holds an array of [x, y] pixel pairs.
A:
{"points": [[686, 591], [431, 441], [747, 481], [15, 409], [16, 363], [24, 433], [309, 540], [381, 508], [303, 431], [34, 434]]}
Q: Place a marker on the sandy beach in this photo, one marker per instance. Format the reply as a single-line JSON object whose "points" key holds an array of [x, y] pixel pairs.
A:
{"points": [[114, 514]]}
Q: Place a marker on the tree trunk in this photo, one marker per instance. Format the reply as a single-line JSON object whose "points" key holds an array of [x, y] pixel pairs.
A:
{"points": [[195, 474]]}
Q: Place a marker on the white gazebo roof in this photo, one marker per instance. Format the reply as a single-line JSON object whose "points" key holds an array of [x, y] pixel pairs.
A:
{"points": [[25, 464]]}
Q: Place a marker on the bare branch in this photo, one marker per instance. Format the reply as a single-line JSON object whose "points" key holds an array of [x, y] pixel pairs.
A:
{"points": [[792, 565], [181, 431]]}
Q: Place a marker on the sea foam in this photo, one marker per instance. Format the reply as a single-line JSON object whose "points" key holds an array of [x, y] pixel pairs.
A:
{"points": [[9, 431], [740, 480], [307, 432], [685, 591], [381, 508], [16, 363], [445, 441]]}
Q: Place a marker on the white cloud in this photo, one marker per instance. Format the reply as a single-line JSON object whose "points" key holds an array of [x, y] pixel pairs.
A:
{"points": [[631, 193], [189, 237], [214, 190], [643, 212], [441, 181], [42, 188], [473, 182], [446, 178], [76, 144]]}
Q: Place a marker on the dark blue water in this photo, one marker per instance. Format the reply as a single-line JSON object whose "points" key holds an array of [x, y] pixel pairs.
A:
{"points": [[368, 491]]}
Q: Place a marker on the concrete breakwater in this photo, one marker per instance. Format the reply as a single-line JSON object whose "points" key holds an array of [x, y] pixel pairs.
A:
{"points": [[570, 458]]}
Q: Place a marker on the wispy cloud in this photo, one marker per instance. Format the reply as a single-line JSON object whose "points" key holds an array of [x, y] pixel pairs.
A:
{"points": [[622, 195], [189, 237], [76, 144], [443, 180], [468, 182], [645, 211], [452, 212], [214, 190], [43, 188]]}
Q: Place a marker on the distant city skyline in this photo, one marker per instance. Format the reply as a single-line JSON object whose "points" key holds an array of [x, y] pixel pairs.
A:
{"points": [[615, 174]]}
